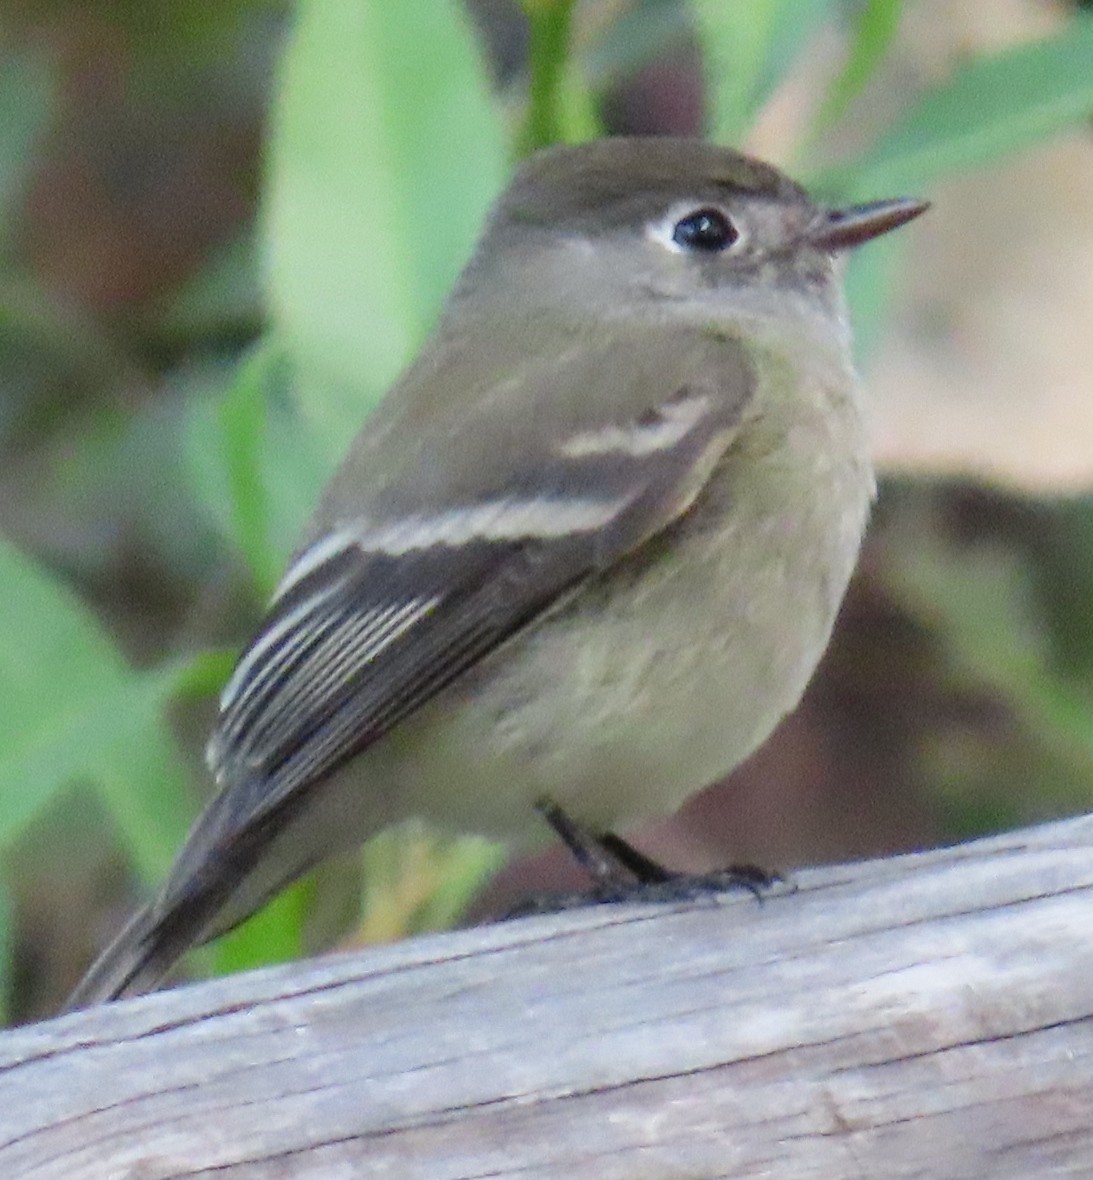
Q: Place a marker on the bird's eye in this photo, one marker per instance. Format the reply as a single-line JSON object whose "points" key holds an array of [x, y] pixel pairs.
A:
{"points": [[708, 230]]}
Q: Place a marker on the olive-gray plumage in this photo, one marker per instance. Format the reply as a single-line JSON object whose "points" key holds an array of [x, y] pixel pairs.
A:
{"points": [[589, 548]]}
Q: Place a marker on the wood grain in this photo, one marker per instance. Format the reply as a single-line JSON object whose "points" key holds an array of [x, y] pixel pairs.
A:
{"points": [[921, 1016]]}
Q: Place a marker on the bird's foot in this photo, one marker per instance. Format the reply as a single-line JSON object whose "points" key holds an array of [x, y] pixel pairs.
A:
{"points": [[620, 872]]}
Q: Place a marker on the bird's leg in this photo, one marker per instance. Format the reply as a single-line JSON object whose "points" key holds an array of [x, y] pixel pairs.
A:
{"points": [[655, 881], [590, 852], [620, 872], [612, 879], [646, 870]]}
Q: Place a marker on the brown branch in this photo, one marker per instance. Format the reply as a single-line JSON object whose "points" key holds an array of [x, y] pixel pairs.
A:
{"points": [[924, 1016]]}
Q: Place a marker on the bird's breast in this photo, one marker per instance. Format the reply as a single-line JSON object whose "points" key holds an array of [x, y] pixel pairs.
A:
{"points": [[663, 673]]}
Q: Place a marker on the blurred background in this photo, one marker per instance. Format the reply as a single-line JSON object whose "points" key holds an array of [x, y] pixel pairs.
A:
{"points": [[225, 224]]}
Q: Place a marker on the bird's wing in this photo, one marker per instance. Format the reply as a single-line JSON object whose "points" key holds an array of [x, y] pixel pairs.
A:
{"points": [[378, 615], [375, 618]]}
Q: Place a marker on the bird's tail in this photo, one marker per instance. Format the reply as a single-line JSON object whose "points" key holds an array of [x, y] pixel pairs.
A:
{"points": [[228, 869], [193, 906], [235, 859], [138, 958]]}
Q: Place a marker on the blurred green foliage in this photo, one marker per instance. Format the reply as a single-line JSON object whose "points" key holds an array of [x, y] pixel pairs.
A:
{"points": [[387, 135], [379, 175]]}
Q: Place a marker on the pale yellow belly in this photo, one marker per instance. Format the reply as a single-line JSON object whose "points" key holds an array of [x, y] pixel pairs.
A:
{"points": [[622, 711]]}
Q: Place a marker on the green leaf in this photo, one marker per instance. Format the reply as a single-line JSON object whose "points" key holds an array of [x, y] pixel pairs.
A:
{"points": [[990, 106], [748, 47], [874, 31], [551, 30], [272, 935], [241, 417], [204, 674], [386, 151], [255, 467], [73, 712]]}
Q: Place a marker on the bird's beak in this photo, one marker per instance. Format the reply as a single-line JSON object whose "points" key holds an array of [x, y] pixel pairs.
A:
{"points": [[842, 229]]}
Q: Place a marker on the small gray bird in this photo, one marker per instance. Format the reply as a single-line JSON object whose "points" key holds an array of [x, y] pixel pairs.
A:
{"points": [[588, 550]]}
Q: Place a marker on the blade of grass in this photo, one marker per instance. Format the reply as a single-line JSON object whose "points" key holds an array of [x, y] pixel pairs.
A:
{"points": [[241, 417], [551, 30], [75, 713], [253, 462], [988, 107], [874, 30], [416, 880], [748, 47]]}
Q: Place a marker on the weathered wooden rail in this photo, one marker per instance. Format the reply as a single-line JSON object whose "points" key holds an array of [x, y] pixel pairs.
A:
{"points": [[922, 1016]]}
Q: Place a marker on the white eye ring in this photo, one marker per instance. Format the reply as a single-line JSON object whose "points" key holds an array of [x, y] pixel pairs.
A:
{"points": [[663, 230]]}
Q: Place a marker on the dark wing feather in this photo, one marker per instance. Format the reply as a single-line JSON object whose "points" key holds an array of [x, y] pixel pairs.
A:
{"points": [[394, 632]]}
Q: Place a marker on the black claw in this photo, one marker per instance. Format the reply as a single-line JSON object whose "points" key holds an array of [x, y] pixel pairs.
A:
{"points": [[691, 887]]}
